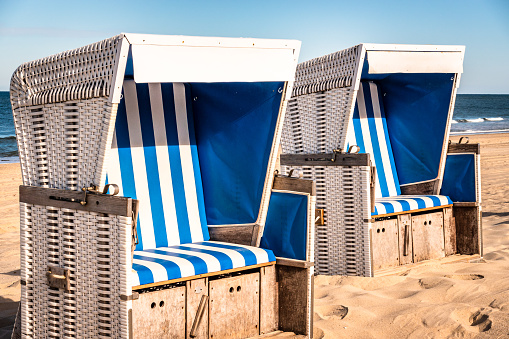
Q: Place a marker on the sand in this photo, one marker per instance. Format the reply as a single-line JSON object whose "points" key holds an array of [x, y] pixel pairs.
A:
{"points": [[434, 300]]}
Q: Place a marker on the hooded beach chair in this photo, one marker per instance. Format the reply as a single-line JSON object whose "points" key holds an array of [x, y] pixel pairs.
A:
{"points": [[149, 184], [371, 125]]}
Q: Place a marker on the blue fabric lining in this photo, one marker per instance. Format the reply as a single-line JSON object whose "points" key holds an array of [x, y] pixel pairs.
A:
{"points": [[234, 125], [285, 231], [459, 178]]}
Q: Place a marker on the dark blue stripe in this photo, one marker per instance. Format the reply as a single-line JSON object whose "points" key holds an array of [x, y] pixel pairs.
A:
{"points": [[420, 202], [436, 201], [144, 274], [196, 164], [388, 142], [172, 269], [126, 161], [224, 260], [375, 142], [200, 266], [249, 256], [149, 150], [176, 166]]}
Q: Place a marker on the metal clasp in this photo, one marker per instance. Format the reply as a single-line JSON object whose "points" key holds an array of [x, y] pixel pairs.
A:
{"points": [[59, 277]]}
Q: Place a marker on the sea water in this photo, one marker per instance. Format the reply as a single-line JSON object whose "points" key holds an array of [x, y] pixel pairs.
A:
{"points": [[473, 113]]}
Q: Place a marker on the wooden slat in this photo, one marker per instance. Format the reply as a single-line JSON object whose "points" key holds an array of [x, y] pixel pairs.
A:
{"points": [[405, 239], [294, 262], [464, 148], [293, 299], [99, 203], [160, 314], [385, 244], [422, 188], [195, 290], [325, 159], [234, 306], [449, 232], [466, 204], [467, 229], [238, 234], [428, 236], [198, 276], [268, 300], [294, 185]]}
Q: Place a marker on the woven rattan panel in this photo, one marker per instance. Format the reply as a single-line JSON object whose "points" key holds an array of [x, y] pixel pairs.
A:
{"points": [[81, 73], [336, 70], [342, 243], [63, 145], [93, 247], [317, 122]]}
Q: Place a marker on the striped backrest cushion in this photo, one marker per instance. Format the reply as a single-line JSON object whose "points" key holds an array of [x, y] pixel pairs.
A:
{"points": [[368, 130], [154, 159]]}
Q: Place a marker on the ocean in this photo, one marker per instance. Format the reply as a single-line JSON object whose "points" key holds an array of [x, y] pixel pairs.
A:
{"points": [[473, 113]]}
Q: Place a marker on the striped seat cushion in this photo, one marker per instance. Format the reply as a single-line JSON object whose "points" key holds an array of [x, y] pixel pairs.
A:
{"points": [[407, 203], [154, 159], [173, 262], [368, 130]]}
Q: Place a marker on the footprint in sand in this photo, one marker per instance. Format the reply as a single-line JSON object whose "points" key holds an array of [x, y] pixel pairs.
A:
{"points": [[472, 320], [326, 312], [465, 276]]}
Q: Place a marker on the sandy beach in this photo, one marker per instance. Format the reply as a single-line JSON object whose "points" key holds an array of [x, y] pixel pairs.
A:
{"points": [[433, 300]]}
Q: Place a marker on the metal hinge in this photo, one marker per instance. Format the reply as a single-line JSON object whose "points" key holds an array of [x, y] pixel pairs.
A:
{"points": [[59, 277]]}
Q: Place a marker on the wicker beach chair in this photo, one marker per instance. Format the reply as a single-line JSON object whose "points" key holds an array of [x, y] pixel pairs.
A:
{"points": [[148, 186], [371, 125]]}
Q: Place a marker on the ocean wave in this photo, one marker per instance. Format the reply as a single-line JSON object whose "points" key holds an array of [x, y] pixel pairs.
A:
{"points": [[8, 137], [480, 132], [475, 120]]}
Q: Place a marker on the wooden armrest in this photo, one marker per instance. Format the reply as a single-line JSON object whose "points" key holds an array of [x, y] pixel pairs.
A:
{"points": [[294, 262], [325, 159], [294, 185], [464, 148]]}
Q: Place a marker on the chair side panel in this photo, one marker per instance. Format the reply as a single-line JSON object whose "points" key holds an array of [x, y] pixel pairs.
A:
{"points": [[342, 244], [94, 248], [63, 145]]}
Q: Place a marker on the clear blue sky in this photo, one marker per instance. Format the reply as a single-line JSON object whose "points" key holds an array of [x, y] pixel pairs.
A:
{"points": [[35, 29]]}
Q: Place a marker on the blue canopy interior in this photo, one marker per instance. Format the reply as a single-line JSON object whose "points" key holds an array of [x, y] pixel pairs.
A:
{"points": [[234, 128], [235, 125], [416, 108]]}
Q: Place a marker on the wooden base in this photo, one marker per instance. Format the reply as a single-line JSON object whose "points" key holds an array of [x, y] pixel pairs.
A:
{"points": [[413, 237], [240, 304]]}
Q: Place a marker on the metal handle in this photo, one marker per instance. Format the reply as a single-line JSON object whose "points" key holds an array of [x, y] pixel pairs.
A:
{"points": [[199, 316]]}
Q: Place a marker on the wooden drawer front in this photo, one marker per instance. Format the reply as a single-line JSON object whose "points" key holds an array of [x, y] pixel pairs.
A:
{"points": [[428, 236], [385, 243], [160, 314], [234, 306]]}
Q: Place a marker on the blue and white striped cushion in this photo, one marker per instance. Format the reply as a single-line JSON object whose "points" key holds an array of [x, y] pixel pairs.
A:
{"points": [[187, 260], [407, 203], [368, 130], [154, 159]]}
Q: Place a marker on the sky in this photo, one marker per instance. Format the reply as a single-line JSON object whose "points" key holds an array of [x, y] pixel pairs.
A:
{"points": [[34, 29]]}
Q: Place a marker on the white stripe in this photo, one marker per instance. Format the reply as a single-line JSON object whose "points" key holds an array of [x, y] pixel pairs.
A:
{"points": [[113, 171], [236, 258], [186, 266], [139, 168], [261, 255], [135, 279], [187, 162], [366, 135], [213, 264], [380, 208], [163, 164], [382, 143], [158, 271], [428, 201]]}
